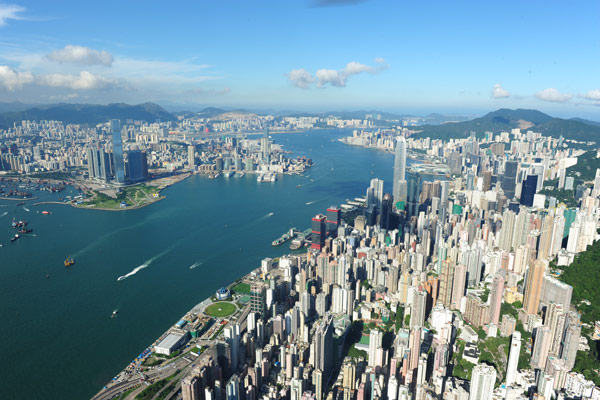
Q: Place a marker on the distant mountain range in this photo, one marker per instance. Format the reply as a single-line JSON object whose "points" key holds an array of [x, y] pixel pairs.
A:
{"points": [[507, 119], [437, 126], [84, 113]]}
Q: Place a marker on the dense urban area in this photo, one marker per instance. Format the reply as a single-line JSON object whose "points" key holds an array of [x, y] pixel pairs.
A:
{"points": [[475, 278]]}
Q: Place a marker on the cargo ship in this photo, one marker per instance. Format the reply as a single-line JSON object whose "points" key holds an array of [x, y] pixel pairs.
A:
{"points": [[69, 262]]}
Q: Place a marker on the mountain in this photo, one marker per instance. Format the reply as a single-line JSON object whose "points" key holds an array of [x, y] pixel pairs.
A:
{"points": [[586, 121], [87, 113], [506, 119]]}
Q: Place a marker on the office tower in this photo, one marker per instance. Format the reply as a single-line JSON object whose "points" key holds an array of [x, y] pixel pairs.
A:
{"points": [[92, 165], [319, 232], [375, 193], [541, 347], [137, 165], [323, 346], [386, 216], [483, 379], [417, 312], [533, 286], [400, 170], [513, 358], [265, 147], [334, 218], [528, 190], [117, 142], [257, 299], [191, 156], [496, 298], [414, 193]]}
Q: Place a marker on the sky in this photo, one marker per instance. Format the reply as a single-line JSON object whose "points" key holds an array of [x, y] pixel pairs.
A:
{"points": [[452, 57]]}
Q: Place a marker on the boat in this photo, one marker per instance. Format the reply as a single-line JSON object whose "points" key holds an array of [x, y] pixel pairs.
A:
{"points": [[14, 238], [114, 313], [20, 203], [69, 262], [45, 212], [25, 230], [298, 186]]}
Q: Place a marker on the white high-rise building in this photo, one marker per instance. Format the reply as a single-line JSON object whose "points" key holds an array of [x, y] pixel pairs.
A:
{"points": [[483, 379], [375, 341], [513, 358], [399, 190]]}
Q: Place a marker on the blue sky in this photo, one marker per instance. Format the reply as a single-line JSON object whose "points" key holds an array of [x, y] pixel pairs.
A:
{"points": [[465, 57]]}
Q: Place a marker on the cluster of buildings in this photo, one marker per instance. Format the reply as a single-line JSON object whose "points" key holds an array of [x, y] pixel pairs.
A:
{"points": [[120, 154], [439, 290]]}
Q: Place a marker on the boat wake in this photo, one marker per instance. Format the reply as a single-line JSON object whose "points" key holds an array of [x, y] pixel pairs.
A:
{"points": [[308, 203], [4, 214], [269, 215], [26, 209], [197, 264], [146, 264]]}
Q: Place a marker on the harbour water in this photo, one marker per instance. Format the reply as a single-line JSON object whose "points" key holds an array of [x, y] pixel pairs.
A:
{"points": [[152, 264]]}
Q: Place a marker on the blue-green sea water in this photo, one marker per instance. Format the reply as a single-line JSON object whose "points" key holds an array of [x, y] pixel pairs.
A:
{"points": [[57, 338]]}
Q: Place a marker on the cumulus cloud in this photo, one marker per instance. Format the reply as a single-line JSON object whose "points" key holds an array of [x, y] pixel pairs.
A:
{"points": [[303, 79], [499, 92], [592, 95], [553, 95], [10, 11], [84, 81], [81, 55], [11, 79]]}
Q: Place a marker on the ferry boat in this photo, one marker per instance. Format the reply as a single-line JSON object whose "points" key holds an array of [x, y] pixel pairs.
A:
{"points": [[14, 238], [114, 313], [45, 212], [69, 262]]}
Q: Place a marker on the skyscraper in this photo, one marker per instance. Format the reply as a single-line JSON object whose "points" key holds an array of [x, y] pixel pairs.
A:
{"points": [[496, 298], [117, 142], [483, 379], [137, 165], [191, 156], [333, 220], [318, 231], [533, 286], [509, 178], [513, 358], [400, 170], [528, 190]]}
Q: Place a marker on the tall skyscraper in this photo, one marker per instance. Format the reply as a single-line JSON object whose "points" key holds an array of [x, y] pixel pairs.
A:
{"points": [[509, 178], [483, 379], [414, 194], [334, 218], [191, 156], [496, 298], [319, 232], [533, 286], [117, 142], [513, 358], [137, 165], [323, 346], [399, 190], [375, 193], [528, 190]]}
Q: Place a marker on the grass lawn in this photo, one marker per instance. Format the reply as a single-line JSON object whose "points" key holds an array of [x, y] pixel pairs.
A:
{"points": [[220, 309], [241, 288]]}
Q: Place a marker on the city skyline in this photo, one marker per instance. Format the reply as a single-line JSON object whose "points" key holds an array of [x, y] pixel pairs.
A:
{"points": [[372, 54]]}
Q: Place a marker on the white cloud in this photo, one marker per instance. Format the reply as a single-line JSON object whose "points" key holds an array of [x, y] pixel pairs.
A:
{"points": [[304, 79], [84, 81], [301, 78], [10, 11], [592, 95], [499, 92], [81, 55], [12, 79], [553, 95]]}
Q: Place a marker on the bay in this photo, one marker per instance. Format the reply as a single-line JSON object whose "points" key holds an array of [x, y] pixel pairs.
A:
{"points": [[58, 340]]}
